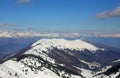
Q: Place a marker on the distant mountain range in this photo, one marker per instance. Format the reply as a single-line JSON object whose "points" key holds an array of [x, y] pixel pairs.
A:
{"points": [[15, 34], [62, 58]]}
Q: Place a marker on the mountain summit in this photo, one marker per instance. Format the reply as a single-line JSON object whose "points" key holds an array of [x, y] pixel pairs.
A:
{"points": [[63, 44]]}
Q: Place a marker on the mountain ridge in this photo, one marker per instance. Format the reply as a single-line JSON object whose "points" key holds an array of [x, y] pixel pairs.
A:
{"points": [[72, 57]]}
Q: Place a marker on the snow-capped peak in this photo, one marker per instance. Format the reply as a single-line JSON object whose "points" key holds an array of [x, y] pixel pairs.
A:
{"points": [[64, 44]]}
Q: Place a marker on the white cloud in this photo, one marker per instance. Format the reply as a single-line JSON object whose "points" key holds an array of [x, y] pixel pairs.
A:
{"points": [[107, 14], [24, 1]]}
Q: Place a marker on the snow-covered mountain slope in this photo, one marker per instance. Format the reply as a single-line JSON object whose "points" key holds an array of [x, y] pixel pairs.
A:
{"points": [[57, 58], [30, 69], [63, 44], [111, 72]]}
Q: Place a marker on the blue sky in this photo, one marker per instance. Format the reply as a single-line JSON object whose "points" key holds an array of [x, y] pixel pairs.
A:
{"points": [[60, 15]]}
